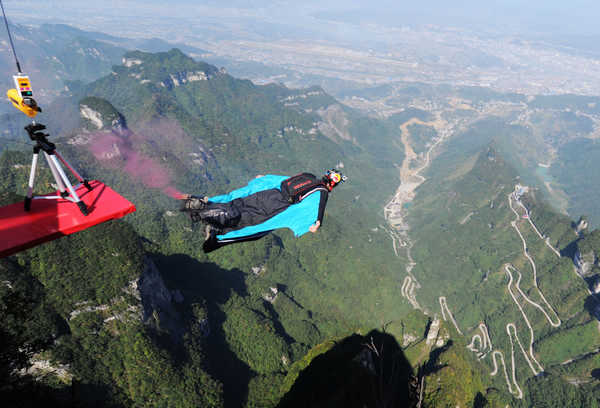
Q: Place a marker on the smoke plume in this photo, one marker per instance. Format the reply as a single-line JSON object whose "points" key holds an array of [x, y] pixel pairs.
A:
{"points": [[117, 151]]}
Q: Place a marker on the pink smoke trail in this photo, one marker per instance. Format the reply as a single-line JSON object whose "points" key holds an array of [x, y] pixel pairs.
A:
{"points": [[116, 152]]}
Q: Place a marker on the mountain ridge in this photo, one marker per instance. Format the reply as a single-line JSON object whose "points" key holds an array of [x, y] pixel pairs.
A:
{"points": [[252, 311]]}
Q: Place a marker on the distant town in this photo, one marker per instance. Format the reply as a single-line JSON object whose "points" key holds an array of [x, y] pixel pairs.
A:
{"points": [[370, 54]]}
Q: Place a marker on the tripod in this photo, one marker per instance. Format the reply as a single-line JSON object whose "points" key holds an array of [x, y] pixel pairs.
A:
{"points": [[67, 191]]}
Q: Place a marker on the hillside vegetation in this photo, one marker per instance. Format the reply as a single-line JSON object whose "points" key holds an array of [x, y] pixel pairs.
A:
{"points": [[133, 313]]}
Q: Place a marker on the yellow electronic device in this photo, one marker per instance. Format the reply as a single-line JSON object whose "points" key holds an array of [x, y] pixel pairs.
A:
{"points": [[22, 96]]}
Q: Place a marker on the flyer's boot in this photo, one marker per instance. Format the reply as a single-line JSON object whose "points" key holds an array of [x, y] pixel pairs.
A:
{"points": [[220, 218], [194, 203]]}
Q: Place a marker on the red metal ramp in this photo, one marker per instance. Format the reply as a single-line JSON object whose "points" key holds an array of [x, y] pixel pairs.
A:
{"points": [[52, 219]]}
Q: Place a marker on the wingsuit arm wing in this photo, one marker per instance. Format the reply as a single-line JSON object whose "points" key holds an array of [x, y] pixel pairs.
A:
{"points": [[258, 184], [322, 205]]}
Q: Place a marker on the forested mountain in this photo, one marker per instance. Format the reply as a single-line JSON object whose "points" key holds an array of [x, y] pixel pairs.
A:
{"points": [[59, 57], [132, 313], [53, 55], [550, 140], [59, 60], [137, 299]]}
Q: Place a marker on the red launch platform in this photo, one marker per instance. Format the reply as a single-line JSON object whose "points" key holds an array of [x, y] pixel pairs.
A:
{"points": [[52, 219]]}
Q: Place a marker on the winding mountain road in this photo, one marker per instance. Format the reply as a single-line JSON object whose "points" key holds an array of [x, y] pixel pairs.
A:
{"points": [[557, 322], [512, 358], [511, 328], [447, 314], [410, 179], [545, 239], [409, 285], [531, 356], [519, 392], [485, 343]]}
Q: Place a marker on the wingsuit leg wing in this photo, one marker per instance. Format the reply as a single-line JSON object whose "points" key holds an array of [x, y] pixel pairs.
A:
{"points": [[213, 243]]}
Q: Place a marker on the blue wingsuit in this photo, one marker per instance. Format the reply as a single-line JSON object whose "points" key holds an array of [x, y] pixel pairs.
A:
{"points": [[297, 217]]}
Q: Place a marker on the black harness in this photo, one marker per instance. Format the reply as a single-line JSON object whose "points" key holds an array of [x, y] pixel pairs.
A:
{"points": [[300, 186]]}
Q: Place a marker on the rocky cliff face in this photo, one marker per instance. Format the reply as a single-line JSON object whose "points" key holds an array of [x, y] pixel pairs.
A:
{"points": [[99, 114], [179, 78], [585, 261], [150, 302], [335, 124], [157, 301], [588, 248], [142, 67], [107, 136], [581, 226]]}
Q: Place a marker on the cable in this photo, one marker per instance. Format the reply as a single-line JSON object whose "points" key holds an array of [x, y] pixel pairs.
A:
{"points": [[12, 44]]}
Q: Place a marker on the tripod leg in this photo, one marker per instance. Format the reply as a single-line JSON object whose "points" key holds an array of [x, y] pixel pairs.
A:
{"points": [[82, 207], [56, 175], [72, 170], [31, 181]]}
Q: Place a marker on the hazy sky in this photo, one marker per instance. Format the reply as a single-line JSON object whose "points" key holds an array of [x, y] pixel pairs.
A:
{"points": [[511, 16], [574, 16]]}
